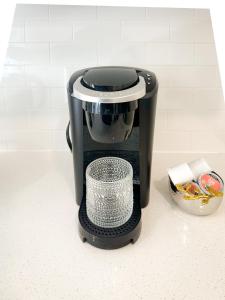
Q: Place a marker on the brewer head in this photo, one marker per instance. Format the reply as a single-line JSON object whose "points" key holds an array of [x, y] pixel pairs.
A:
{"points": [[110, 97]]}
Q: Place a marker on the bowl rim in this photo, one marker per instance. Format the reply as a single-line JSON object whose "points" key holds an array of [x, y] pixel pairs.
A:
{"points": [[128, 176]]}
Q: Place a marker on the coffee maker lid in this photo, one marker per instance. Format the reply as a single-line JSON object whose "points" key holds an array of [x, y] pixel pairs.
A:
{"points": [[110, 79], [109, 85]]}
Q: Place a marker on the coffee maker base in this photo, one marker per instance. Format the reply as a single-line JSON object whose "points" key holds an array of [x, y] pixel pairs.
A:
{"points": [[110, 238]]}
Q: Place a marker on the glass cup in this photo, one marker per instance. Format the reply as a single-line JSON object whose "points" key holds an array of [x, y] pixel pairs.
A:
{"points": [[109, 191]]}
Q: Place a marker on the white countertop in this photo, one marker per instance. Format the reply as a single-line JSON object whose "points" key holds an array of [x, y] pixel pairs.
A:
{"points": [[178, 256]]}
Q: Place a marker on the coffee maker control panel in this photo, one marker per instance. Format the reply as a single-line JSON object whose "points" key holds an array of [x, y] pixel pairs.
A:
{"points": [[150, 81]]}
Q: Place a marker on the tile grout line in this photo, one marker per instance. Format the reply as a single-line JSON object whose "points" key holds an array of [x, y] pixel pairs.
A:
{"points": [[49, 43]]}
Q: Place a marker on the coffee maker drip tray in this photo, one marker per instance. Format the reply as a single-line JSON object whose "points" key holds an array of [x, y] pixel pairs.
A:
{"points": [[111, 238]]}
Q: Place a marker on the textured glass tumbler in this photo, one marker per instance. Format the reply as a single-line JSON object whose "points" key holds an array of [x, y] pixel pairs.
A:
{"points": [[109, 191]]}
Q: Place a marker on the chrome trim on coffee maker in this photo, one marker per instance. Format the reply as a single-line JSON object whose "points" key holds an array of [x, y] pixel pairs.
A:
{"points": [[127, 95]]}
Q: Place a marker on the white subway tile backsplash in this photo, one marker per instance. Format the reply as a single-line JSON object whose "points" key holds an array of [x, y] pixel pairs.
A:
{"points": [[18, 99], [203, 14], [184, 33], [182, 15], [34, 11], [47, 76], [45, 31], [190, 32], [205, 54], [40, 97], [13, 76], [58, 97], [208, 142], [158, 15], [27, 98], [175, 98], [17, 33], [2, 99], [157, 54], [160, 120], [125, 53], [59, 141], [121, 13], [208, 99], [181, 54], [216, 119], [27, 54], [179, 121], [170, 141], [145, 31], [77, 54], [195, 76], [13, 120], [97, 31], [174, 16], [73, 12], [196, 120], [203, 32], [29, 140], [205, 99], [48, 119]]}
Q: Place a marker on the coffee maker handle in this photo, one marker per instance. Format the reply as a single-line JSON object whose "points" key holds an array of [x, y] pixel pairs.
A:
{"points": [[68, 136]]}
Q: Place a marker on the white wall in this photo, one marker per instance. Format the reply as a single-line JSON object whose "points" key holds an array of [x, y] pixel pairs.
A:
{"points": [[48, 43]]}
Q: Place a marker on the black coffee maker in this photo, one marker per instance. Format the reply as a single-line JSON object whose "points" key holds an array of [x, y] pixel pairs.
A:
{"points": [[112, 113]]}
